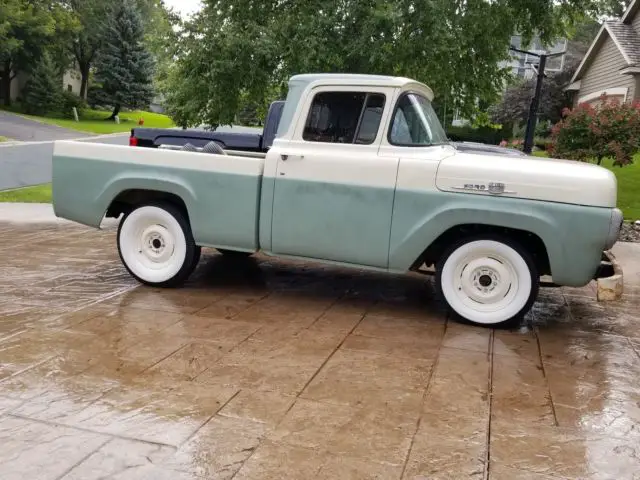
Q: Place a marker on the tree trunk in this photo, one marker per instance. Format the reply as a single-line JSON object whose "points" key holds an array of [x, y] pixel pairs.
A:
{"points": [[6, 83], [115, 113], [599, 160], [84, 82]]}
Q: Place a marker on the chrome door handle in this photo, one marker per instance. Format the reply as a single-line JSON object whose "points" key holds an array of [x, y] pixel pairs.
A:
{"points": [[284, 157]]}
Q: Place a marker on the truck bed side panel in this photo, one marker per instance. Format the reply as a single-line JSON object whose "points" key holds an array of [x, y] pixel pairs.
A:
{"points": [[221, 193]]}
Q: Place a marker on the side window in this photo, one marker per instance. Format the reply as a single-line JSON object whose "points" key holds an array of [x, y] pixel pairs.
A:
{"points": [[344, 117], [415, 123]]}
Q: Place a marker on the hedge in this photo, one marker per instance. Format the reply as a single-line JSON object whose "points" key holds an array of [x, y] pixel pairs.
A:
{"points": [[482, 135]]}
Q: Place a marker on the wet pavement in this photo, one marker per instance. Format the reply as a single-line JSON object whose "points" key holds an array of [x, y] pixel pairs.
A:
{"points": [[263, 369]]}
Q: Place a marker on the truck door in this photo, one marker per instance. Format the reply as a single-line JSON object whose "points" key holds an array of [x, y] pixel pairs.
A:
{"points": [[334, 193]]}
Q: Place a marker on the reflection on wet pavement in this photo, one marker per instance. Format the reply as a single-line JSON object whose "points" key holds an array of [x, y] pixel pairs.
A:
{"points": [[262, 369]]}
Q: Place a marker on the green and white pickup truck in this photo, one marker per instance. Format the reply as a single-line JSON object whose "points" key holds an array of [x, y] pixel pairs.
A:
{"points": [[360, 174]]}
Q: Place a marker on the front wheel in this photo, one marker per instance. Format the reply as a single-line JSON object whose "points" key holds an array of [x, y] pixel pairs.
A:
{"points": [[156, 245], [489, 281]]}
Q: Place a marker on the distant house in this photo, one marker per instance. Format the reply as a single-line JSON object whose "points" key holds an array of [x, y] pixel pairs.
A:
{"points": [[611, 67], [71, 81]]}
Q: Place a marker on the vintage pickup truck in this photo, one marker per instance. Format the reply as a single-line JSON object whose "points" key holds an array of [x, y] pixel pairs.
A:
{"points": [[360, 174]]}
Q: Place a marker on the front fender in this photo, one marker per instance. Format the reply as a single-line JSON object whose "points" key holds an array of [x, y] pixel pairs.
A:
{"points": [[573, 235]]}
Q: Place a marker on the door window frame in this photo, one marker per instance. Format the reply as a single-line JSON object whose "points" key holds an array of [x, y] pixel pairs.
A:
{"points": [[387, 92], [392, 115]]}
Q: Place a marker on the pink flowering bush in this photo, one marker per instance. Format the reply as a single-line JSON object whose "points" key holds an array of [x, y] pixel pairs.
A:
{"points": [[589, 132]]}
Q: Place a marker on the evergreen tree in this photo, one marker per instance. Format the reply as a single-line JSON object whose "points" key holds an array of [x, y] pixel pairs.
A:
{"points": [[124, 66], [42, 92]]}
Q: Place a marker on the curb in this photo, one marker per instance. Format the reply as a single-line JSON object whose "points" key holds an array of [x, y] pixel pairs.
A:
{"points": [[610, 289]]}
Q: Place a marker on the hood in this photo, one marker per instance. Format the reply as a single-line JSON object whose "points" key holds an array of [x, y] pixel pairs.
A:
{"points": [[527, 177]]}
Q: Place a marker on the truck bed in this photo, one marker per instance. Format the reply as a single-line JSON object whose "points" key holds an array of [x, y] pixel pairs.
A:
{"points": [[221, 193], [240, 139]]}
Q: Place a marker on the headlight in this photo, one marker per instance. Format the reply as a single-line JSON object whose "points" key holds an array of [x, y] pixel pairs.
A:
{"points": [[614, 228]]}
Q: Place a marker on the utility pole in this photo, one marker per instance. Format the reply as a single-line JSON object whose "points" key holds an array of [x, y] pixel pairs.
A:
{"points": [[535, 101]]}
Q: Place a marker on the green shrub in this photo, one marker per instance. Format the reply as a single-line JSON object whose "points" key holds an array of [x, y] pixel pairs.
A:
{"points": [[543, 143], [69, 100], [486, 135], [609, 130]]}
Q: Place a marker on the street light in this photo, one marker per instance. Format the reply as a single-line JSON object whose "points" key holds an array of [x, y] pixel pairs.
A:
{"points": [[535, 102]]}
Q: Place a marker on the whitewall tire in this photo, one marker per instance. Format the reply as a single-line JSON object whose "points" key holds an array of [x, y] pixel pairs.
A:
{"points": [[156, 245], [488, 280]]}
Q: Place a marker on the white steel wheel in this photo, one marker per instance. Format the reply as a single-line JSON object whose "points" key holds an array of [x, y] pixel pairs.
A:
{"points": [[488, 281], [156, 245]]}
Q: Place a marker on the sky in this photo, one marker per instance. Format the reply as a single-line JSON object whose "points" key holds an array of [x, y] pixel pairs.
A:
{"points": [[184, 7]]}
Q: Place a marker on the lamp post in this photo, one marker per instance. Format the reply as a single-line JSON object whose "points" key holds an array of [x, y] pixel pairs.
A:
{"points": [[535, 102]]}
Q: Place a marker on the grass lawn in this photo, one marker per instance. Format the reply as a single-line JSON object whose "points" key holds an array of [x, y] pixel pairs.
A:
{"points": [[3, 139], [35, 194], [628, 185], [95, 121]]}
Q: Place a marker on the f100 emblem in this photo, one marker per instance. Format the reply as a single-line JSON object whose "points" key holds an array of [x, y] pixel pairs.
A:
{"points": [[494, 188]]}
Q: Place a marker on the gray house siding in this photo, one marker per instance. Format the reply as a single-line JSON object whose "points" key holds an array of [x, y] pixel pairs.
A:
{"points": [[604, 73], [636, 23]]}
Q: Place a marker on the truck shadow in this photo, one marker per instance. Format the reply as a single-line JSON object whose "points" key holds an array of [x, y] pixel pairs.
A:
{"points": [[299, 280]]}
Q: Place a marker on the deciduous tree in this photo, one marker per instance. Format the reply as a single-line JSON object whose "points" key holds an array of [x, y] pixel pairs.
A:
{"points": [[241, 50], [25, 28]]}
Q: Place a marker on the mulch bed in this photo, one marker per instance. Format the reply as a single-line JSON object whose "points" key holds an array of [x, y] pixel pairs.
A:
{"points": [[630, 232]]}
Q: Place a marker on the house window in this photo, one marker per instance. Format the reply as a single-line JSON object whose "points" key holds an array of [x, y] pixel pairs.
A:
{"points": [[69, 88], [344, 117]]}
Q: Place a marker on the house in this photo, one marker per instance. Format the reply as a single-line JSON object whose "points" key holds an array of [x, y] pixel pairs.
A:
{"points": [[71, 81], [611, 66]]}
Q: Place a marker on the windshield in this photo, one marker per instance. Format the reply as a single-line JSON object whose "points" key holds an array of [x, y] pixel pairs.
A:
{"points": [[415, 123]]}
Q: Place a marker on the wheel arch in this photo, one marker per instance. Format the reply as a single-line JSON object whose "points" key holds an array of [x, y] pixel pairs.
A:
{"points": [[126, 200], [120, 195], [527, 239], [427, 236]]}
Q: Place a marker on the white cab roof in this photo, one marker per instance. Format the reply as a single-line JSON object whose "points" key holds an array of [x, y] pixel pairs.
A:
{"points": [[356, 79]]}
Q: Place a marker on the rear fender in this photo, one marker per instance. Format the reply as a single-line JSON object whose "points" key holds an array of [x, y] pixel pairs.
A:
{"points": [[138, 181]]}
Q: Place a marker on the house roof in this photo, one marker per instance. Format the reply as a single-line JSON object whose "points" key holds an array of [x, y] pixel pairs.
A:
{"points": [[626, 38]]}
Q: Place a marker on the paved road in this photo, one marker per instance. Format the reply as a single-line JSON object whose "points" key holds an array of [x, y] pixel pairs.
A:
{"points": [[22, 129], [30, 163]]}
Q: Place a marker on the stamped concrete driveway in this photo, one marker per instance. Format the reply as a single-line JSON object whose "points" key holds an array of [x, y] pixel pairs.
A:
{"points": [[261, 369]]}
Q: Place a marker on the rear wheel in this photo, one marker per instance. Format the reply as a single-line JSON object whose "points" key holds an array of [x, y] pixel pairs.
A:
{"points": [[488, 280], [156, 245]]}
